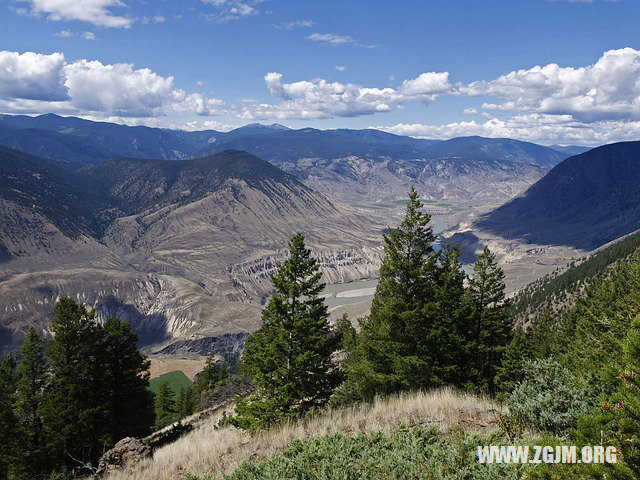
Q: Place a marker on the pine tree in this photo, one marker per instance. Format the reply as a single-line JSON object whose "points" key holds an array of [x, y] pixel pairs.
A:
{"points": [[451, 322], [396, 347], [289, 357], [616, 420], [511, 369], [124, 382], [492, 329], [186, 402], [164, 405], [7, 418], [33, 374], [73, 407]]}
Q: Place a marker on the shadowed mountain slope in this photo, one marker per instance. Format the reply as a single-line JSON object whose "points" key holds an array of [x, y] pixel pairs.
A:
{"points": [[585, 201]]}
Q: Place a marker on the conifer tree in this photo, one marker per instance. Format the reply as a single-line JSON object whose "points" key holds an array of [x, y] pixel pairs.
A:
{"points": [[32, 460], [492, 329], [451, 322], [124, 382], [164, 405], [7, 418], [289, 357], [616, 420], [511, 369], [397, 345], [73, 407]]}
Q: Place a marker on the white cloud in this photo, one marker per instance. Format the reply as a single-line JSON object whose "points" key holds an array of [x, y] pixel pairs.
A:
{"points": [[64, 34], [321, 99], [340, 68], [88, 36], [227, 10], [470, 111], [546, 129], [97, 12], [330, 38], [34, 83], [295, 24], [606, 90], [32, 76], [159, 19]]}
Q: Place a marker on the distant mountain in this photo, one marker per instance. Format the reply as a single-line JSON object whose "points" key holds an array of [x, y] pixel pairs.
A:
{"points": [[585, 201], [181, 249], [350, 165], [571, 149], [506, 149], [70, 152], [117, 140], [357, 165]]}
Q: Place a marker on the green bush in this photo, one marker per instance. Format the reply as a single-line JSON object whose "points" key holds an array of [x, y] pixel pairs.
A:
{"points": [[548, 399], [408, 453]]}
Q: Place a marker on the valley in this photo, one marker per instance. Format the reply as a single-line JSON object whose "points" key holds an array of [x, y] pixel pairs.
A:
{"points": [[183, 247]]}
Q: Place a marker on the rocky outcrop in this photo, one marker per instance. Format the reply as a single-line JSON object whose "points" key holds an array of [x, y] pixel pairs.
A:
{"points": [[229, 346], [126, 452]]}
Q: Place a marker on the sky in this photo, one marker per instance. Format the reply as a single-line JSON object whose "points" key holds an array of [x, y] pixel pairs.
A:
{"points": [[547, 71]]}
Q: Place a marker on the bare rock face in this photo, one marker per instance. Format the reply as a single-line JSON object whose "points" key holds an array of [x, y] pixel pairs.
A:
{"points": [[126, 452]]}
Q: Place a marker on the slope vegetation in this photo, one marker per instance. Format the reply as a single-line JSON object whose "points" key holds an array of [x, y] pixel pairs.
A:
{"points": [[209, 451]]}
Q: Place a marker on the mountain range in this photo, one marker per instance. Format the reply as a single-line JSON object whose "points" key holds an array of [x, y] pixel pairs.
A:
{"points": [[349, 165]]}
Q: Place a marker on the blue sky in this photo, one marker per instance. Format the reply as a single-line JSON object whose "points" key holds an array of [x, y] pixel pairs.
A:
{"points": [[547, 71]]}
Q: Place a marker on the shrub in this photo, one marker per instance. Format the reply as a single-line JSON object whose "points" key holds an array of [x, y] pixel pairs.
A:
{"points": [[548, 399]]}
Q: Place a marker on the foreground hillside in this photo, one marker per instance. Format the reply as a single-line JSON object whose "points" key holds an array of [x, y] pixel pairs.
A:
{"points": [[177, 248], [209, 451]]}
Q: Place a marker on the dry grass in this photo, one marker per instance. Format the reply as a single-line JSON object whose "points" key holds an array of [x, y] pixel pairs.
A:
{"points": [[207, 451], [164, 364]]}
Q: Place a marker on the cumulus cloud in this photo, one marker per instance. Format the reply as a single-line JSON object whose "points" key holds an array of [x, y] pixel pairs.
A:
{"points": [[64, 34], [97, 12], [32, 82], [88, 36], [32, 76], [606, 90], [539, 128], [470, 111], [319, 98], [340, 68]]}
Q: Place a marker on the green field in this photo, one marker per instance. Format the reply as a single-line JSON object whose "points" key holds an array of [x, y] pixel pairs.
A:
{"points": [[176, 379]]}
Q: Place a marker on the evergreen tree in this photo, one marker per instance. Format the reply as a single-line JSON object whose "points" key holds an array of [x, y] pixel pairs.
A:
{"points": [[511, 369], [451, 320], [32, 461], [186, 402], [164, 405], [7, 418], [492, 329], [397, 346], [289, 357], [616, 421], [124, 382], [73, 407]]}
